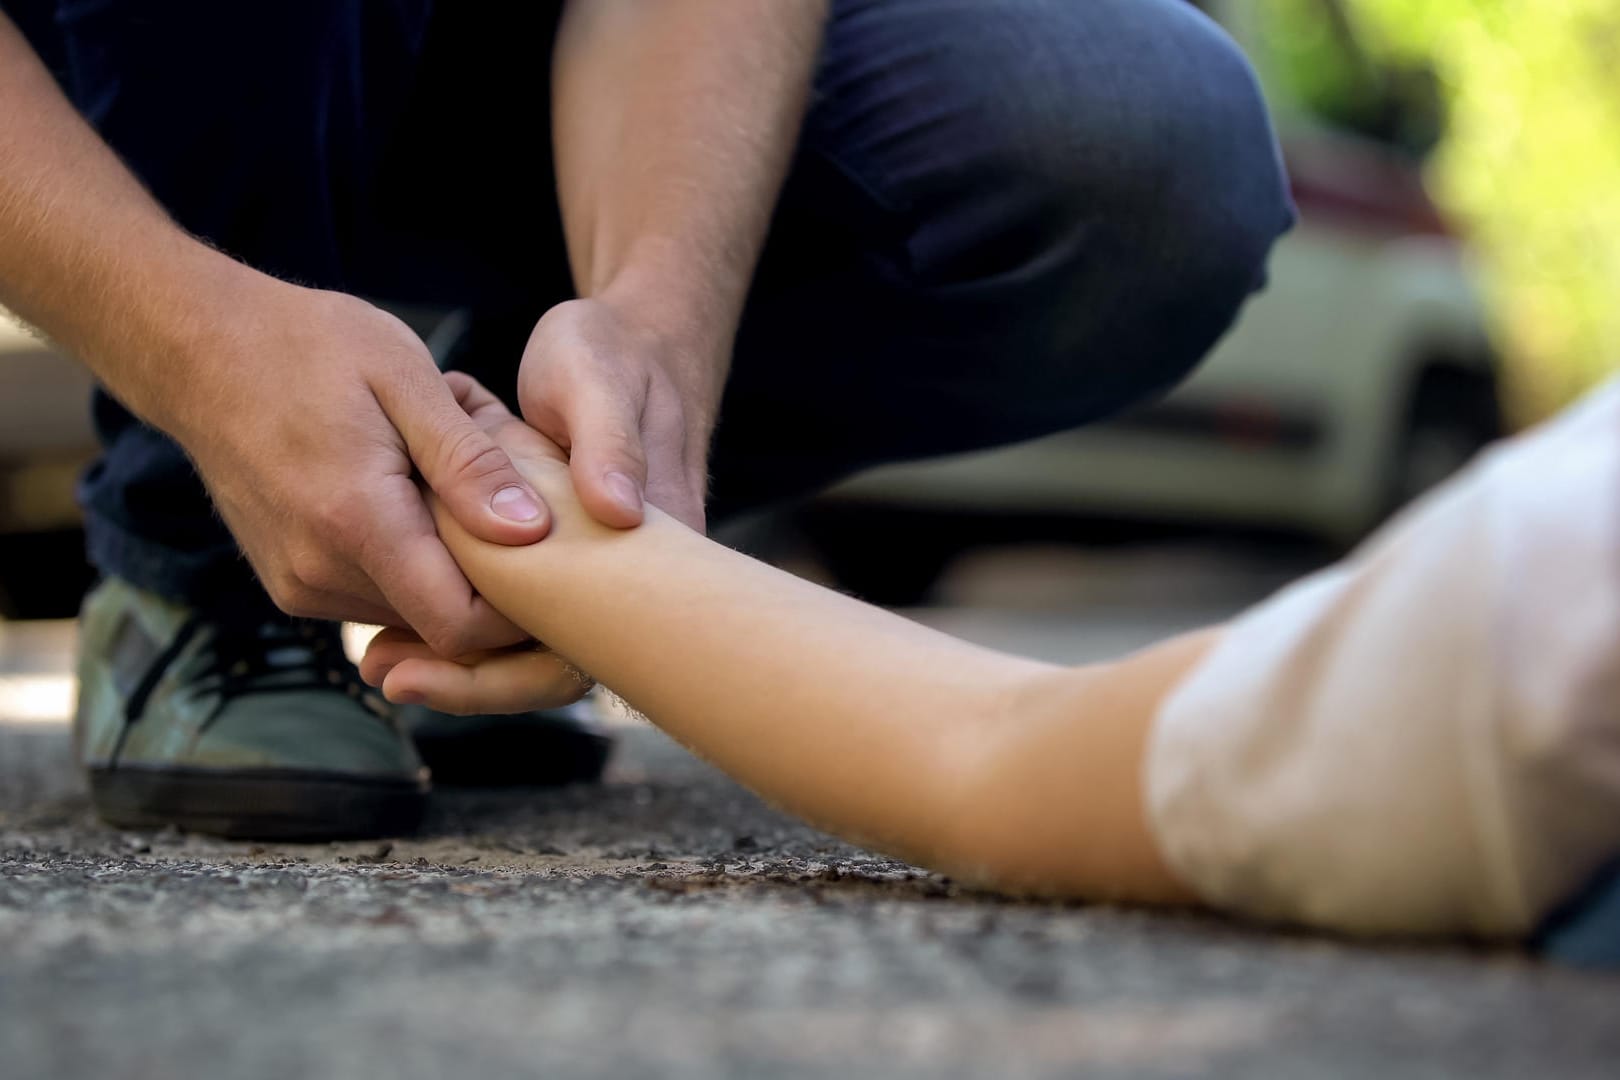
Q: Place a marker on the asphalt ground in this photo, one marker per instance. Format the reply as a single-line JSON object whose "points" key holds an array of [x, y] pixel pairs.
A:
{"points": [[668, 924]]}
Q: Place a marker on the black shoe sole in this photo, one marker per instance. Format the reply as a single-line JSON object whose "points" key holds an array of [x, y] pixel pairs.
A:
{"points": [[525, 750], [258, 804]]}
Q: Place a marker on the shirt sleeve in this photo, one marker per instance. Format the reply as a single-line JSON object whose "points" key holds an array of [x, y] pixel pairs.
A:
{"points": [[1426, 737]]}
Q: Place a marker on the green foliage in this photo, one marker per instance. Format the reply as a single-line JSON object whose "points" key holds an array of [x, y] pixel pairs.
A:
{"points": [[1529, 161]]}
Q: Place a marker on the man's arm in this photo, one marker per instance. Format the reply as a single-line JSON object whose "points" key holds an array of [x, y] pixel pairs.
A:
{"points": [[85, 253], [673, 125], [303, 410]]}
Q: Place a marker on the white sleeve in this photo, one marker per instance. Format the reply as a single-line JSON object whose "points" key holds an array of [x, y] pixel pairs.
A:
{"points": [[1425, 738]]}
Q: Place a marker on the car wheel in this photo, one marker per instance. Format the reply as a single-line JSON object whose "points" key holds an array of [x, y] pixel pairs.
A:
{"points": [[1453, 415]]}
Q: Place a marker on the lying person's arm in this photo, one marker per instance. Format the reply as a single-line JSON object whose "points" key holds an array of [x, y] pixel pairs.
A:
{"points": [[1423, 738], [1003, 771]]}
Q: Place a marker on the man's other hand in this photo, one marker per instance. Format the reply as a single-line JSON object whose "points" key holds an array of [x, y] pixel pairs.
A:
{"points": [[634, 409]]}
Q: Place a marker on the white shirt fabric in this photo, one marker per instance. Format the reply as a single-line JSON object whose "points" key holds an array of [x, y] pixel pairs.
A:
{"points": [[1424, 738]]}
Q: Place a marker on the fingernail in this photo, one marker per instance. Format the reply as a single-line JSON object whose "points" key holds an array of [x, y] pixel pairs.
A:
{"points": [[408, 697], [515, 504], [625, 491]]}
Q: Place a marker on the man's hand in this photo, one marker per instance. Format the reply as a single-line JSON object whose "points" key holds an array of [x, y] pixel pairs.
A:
{"points": [[517, 679], [303, 410], [305, 426], [672, 127], [633, 407]]}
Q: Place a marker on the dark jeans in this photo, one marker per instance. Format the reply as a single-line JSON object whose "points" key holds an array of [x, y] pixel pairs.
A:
{"points": [[1586, 931], [1005, 217]]}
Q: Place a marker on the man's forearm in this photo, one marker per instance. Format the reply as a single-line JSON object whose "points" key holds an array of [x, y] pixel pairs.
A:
{"points": [[86, 254], [674, 123]]}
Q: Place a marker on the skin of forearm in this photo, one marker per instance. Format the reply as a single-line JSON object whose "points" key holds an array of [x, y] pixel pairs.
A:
{"points": [[673, 124], [86, 255], [858, 720], [1009, 773], [1060, 790]]}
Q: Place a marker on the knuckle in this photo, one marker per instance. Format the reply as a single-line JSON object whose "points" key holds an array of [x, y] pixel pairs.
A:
{"points": [[342, 521], [297, 600], [618, 445], [462, 385], [544, 417], [472, 456], [545, 378], [446, 640], [284, 589], [309, 574]]}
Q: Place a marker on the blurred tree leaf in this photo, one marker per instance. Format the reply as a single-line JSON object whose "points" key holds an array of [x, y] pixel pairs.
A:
{"points": [[1529, 158]]}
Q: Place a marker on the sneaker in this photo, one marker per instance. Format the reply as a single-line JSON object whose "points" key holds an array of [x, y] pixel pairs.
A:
{"points": [[251, 729], [547, 748]]}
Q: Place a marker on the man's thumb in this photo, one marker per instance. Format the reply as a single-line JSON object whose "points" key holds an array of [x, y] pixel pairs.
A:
{"points": [[607, 461], [470, 472]]}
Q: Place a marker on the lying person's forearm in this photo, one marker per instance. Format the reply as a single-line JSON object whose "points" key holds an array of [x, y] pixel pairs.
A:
{"points": [[857, 719], [861, 721]]}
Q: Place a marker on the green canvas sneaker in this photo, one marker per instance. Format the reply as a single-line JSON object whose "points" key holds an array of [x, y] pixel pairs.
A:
{"points": [[254, 730]]}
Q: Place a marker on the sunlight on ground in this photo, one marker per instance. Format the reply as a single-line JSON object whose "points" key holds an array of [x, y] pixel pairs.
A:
{"points": [[36, 699], [356, 636]]}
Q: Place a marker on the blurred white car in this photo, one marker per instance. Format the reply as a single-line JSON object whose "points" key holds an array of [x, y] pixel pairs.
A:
{"points": [[1363, 375]]}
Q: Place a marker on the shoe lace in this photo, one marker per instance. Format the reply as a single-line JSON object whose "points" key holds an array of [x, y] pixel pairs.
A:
{"points": [[240, 658]]}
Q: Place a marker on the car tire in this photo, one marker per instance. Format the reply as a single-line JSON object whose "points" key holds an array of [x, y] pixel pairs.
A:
{"points": [[1452, 416]]}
